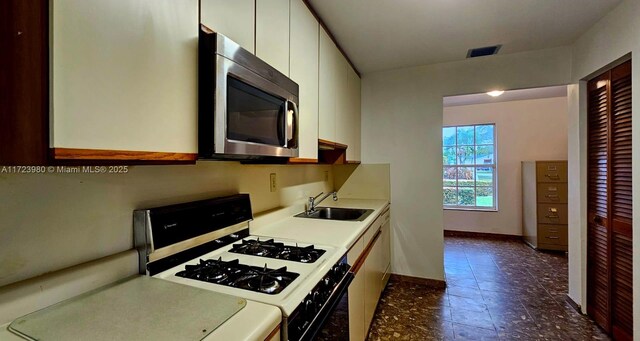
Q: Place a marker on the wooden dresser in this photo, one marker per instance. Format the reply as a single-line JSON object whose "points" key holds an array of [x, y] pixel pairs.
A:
{"points": [[544, 204]]}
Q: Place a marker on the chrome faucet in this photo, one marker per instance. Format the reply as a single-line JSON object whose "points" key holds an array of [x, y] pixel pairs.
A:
{"points": [[311, 207]]}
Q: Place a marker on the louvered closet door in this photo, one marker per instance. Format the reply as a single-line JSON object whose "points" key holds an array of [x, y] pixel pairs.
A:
{"points": [[609, 207], [597, 202], [621, 201]]}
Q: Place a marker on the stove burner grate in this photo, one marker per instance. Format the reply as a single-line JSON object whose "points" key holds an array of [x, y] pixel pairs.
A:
{"points": [[232, 273], [271, 249]]}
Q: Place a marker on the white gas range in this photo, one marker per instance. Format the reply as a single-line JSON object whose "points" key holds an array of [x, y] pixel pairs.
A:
{"points": [[206, 244]]}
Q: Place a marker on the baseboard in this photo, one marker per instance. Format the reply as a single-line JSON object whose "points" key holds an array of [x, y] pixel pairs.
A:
{"points": [[469, 234], [433, 283], [573, 304]]}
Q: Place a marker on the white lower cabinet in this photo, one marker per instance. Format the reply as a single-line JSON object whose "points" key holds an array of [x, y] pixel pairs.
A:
{"points": [[357, 330], [371, 276]]}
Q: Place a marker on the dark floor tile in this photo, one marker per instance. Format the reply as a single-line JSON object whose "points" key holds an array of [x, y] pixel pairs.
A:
{"points": [[473, 293], [465, 332], [474, 304], [496, 289], [463, 282], [474, 318]]}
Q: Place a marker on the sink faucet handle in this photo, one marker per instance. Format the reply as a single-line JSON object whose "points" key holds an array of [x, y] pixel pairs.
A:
{"points": [[317, 196]]}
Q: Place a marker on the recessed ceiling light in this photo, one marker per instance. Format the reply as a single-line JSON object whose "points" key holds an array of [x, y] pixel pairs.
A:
{"points": [[495, 93]]}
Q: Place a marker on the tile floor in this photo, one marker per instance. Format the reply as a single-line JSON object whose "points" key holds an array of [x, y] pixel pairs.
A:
{"points": [[496, 290]]}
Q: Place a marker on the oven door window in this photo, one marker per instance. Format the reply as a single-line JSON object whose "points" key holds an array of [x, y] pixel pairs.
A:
{"points": [[254, 115]]}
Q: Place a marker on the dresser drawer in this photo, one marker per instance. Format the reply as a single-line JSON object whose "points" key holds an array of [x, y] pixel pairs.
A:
{"points": [[552, 192], [551, 171], [552, 214], [552, 234]]}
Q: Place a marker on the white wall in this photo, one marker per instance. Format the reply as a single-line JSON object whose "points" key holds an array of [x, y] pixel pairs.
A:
{"points": [[614, 36], [525, 130], [401, 125], [52, 221]]}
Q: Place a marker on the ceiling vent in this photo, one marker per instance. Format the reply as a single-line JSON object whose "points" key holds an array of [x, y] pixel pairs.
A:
{"points": [[483, 51]]}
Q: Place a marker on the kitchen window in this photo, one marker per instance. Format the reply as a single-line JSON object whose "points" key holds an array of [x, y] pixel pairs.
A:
{"points": [[469, 167]]}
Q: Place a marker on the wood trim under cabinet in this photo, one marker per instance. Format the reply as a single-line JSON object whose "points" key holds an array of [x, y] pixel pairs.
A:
{"points": [[433, 283], [331, 145], [330, 34], [302, 161], [67, 154]]}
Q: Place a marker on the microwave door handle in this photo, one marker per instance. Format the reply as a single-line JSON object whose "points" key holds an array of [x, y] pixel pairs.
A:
{"points": [[292, 125], [282, 123]]}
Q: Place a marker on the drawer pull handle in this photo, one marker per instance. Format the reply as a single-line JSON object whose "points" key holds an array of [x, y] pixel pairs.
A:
{"points": [[553, 216], [551, 237], [552, 196], [552, 176]]}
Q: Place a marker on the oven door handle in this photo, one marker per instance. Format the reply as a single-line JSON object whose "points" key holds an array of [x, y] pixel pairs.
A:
{"points": [[328, 308]]}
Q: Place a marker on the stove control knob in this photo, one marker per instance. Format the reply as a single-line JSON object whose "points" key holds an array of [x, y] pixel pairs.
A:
{"points": [[309, 308], [328, 283]]}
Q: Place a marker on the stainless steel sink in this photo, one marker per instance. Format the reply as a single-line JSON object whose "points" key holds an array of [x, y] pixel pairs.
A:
{"points": [[335, 213]]}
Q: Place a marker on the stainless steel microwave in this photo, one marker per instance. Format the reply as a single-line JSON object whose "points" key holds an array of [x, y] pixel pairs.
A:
{"points": [[247, 109]]}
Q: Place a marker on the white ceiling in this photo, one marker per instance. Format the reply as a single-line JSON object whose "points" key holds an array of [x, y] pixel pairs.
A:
{"points": [[386, 34], [507, 96]]}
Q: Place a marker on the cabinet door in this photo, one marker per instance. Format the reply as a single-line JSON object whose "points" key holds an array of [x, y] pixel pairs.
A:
{"points": [[348, 110], [328, 79], [234, 19], [343, 110], [357, 306], [353, 152], [124, 75], [385, 239], [304, 71], [272, 33], [372, 281]]}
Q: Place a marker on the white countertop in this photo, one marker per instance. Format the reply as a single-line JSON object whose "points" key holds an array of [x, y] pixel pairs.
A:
{"points": [[253, 322], [322, 231]]}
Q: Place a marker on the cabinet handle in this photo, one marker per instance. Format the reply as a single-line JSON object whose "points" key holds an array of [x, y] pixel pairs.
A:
{"points": [[551, 237], [552, 196], [552, 216], [552, 176], [597, 220]]}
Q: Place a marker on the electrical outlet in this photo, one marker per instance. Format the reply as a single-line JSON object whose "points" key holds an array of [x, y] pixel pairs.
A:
{"points": [[272, 182], [326, 175]]}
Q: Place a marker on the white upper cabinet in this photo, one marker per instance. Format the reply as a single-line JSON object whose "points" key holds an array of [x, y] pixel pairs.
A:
{"points": [[342, 119], [328, 87], [124, 75], [304, 71], [233, 18], [339, 112], [272, 33], [353, 109]]}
